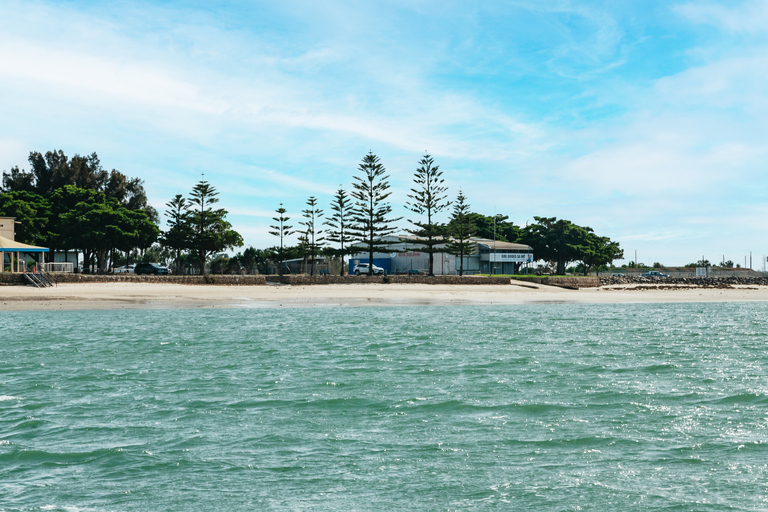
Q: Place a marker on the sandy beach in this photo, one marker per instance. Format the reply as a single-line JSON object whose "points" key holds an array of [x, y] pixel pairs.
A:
{"points": [[72, 296]]}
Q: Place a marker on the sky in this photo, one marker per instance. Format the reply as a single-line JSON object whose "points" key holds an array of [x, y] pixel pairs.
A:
{"points": [[644, 120]]}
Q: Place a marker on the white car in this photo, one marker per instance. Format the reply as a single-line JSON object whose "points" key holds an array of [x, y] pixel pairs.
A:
{"points": [[363, 268], [125, 269]]}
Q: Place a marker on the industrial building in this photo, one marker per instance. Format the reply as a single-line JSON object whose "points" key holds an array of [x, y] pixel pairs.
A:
{"points": [[403, 256]]}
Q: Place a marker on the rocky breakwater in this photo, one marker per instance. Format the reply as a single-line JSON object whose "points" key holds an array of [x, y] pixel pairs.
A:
{"points": [[704, 282]]}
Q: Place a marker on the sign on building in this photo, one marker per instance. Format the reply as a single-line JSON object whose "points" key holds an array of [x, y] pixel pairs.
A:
{"points": [[511, 257]]}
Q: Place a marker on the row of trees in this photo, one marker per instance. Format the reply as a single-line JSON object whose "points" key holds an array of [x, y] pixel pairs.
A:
{"points": [[75, 204], [366, 217]]}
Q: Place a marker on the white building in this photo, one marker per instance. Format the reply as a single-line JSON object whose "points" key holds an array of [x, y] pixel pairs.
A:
{"points": [[403, 256]]}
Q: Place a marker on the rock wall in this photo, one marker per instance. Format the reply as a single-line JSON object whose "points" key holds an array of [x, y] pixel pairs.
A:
{"points": [[226, 280], [311, 280], [8, 278]]}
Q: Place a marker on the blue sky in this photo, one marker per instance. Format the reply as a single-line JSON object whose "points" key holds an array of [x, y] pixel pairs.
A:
{"points": [[644, 120]]}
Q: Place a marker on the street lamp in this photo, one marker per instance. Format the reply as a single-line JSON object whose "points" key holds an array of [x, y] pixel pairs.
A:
{"points": [[496, 219]]}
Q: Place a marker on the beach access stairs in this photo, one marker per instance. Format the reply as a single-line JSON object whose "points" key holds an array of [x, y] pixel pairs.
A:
{"points": [[40, 279]]}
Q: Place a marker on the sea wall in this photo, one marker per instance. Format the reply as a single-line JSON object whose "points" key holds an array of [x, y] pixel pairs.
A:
{"points": [[15, 279], [311, 280], [226, 280]]}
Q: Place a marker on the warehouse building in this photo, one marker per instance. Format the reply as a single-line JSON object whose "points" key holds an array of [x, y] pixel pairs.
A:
{"points": [[403, 257]]}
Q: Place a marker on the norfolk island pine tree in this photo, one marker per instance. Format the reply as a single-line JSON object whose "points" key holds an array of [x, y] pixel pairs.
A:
{"points": [[460, 229], [339, 225], [428, 199], [371, 213]]}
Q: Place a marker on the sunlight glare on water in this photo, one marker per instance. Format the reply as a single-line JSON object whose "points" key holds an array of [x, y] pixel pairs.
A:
{"points": [[536, 407]]}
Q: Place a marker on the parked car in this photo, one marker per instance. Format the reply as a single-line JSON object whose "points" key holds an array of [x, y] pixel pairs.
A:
{"points": [[618, 274], [126, 269], [364, 268], [150, 268], [654, 273]]}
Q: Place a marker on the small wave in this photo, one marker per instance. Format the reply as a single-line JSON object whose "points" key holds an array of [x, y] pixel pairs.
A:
{"points": [[35, 456], [4, 398], [660, 367], [742, 398]]}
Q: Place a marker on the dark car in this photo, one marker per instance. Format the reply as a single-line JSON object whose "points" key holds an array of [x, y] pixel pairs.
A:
{"points": [[150, 268], [654, 273]]}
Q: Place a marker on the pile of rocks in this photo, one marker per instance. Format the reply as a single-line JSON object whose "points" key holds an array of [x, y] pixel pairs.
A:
{"points": [[689, 281]]}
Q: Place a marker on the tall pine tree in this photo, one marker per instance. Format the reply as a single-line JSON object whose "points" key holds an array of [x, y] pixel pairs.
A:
{"points": [[282, 230], [339, 225], [211, 233], [179, 233], [371, 217], [428, 199], [313, 232], [461, 228]]}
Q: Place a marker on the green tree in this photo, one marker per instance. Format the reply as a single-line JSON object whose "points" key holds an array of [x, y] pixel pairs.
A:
{"points": [[312, 233], [371, 212], [31, 211], [339, 226], [281, 230], [248, 259], [99, 225], [461, 229], [18, 181], [558, 241], [598, 251], [211, 233], [178, 237], [495, 227], [155, 253], [428, 199]]}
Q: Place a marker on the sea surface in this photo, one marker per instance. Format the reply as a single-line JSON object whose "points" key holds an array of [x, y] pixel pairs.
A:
{"points": [[535, 408]]}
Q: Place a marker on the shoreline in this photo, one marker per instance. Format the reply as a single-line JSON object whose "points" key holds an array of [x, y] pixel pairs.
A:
{"points": [[126, 295]]}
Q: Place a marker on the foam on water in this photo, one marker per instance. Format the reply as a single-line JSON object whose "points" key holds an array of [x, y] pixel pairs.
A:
{"points": [[546, 407]]}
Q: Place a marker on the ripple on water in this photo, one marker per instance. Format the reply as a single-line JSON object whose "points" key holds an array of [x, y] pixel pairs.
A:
{"points": [[540, 407]]}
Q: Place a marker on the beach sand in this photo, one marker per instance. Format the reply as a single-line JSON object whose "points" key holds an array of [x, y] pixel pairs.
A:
{"points": [[74, 296]]}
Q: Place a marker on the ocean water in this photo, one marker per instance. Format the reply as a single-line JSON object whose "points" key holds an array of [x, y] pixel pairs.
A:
{"points": [[538, 407]]}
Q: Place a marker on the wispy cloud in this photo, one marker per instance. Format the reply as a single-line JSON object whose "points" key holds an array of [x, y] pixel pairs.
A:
{"points": [[750, 16], [620, 116]]}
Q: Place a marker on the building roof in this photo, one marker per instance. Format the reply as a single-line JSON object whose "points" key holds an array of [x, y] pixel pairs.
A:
{"points": [[7, 245], [491, 244], [495, 244]]}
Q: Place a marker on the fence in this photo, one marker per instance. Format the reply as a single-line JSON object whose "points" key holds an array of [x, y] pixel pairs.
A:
{"points": [[60, 267]]}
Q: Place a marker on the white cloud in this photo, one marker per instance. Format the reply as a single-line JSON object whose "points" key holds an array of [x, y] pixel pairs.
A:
{"points": [[749, 16]]}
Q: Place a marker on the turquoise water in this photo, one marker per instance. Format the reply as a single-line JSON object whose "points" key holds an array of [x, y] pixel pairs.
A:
{"points": [[539, 407]]}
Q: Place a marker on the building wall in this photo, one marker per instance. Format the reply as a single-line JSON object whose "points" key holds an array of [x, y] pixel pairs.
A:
{"points": [[7, 229], [400, 260]]}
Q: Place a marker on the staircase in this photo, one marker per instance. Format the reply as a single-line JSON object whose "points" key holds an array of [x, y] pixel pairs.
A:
{"points": [[40, 279]]}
